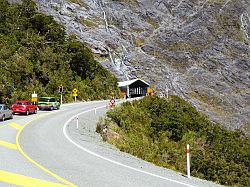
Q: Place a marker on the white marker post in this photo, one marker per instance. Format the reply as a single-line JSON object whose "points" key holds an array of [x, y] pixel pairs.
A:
{"points": [[188, 161], [95, 110], [77, 122], [167, 91], [61, 91], [61, 100]]}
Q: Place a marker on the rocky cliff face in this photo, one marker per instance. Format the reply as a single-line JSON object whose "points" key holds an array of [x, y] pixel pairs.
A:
{"points": [[198, 49]]}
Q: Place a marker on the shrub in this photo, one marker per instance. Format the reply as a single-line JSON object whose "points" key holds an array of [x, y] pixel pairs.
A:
{"points": [[158, 129]]}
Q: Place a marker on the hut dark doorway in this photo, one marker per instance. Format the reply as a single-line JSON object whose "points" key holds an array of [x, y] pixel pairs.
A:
{"points": [[134, 88]]}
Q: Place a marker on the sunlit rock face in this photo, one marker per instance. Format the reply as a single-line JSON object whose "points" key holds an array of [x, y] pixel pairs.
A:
{"points": [[197, 49]]}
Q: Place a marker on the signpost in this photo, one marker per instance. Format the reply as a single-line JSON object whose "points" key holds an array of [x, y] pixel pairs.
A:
{"points": [[149, 91], [34, 97], [112, 103], [74, 93], [61, 91]]}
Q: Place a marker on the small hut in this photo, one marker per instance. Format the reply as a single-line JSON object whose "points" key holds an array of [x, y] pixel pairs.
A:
{"points": [[133, 88]]}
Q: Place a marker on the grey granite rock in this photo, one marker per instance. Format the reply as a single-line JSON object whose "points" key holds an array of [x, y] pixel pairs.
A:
{"points": [[197, 49]]}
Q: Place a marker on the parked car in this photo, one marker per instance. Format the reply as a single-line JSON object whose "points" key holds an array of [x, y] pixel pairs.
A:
{"points": [[5, 112], [49, 103], [24, 107]]}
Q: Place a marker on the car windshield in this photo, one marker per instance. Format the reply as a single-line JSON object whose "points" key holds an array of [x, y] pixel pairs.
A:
{"points": [[44, 99], [47, 99], [19, 103], [52, 100]]}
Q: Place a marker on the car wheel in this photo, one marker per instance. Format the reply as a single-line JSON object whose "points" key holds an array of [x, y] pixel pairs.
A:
{"points": [[11, 116], [27, 113], [35, 111], [51, 108], [3, 118]]}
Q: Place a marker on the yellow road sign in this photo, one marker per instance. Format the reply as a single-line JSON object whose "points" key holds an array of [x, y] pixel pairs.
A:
{"points": [[34, 99], [74, 90], [74, 94]]}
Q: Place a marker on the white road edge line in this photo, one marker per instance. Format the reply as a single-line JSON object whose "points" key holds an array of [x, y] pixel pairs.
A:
{"points": [[107, 159]]}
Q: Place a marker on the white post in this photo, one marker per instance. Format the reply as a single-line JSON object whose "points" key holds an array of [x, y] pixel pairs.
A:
{"points": [[61, 99], [77, 122], [95, 110], [128, 92], [75, 99], [188, 161], [167, 91]]}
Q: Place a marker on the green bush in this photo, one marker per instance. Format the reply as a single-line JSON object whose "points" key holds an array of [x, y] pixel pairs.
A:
{"points": [[158, 129]]}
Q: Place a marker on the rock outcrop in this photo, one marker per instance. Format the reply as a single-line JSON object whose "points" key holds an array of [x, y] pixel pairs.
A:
{"points": [[197, 49]]}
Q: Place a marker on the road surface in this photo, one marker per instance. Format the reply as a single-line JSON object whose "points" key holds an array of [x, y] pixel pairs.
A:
{"points": [[48, 149]]}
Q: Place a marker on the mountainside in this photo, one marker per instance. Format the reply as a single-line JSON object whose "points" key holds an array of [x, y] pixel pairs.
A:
{"points": [[197, 49]]}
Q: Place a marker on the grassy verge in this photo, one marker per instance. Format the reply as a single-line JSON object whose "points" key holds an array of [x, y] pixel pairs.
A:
{"points": [[158, 129]]}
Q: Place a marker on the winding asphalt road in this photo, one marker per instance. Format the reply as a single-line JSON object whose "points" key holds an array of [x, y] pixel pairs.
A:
{"points": [[48, 149]]}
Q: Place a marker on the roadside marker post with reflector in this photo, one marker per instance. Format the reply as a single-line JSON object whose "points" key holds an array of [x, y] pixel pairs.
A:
{"points": [[188, 161], [77, 122], [95, 110], [61, 92]]}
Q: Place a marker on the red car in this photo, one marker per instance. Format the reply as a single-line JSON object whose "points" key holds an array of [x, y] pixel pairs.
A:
{"points": [[24, 107]]}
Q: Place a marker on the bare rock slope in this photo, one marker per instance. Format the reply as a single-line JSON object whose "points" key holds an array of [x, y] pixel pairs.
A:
{"points": [[197, 49]]}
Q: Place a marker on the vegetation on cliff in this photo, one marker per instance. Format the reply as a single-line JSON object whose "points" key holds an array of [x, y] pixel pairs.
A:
{"points": [[158, 129], [36, 55]]}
